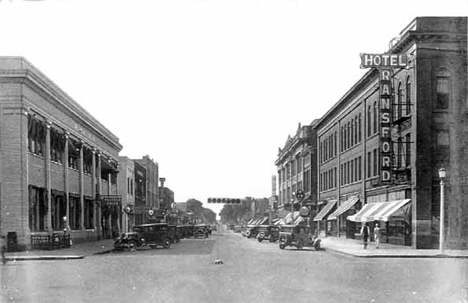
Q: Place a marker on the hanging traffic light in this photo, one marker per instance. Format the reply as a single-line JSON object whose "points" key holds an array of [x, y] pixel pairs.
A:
{"points": [[230, 201]]}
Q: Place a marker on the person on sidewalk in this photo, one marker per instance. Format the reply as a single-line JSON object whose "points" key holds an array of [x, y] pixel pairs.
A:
{"points": [[377, 235], [3, 248], [365, 232]]}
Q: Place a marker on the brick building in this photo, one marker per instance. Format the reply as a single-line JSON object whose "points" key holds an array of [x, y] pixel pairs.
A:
{"points": [[380, 149], [297, 169], [58, 164]]}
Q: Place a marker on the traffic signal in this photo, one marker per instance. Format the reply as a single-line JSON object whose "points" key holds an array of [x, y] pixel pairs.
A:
{"points": [[230, 201]]}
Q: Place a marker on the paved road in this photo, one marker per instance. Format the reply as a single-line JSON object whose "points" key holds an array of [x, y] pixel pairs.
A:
{"points": [[252, 272]]}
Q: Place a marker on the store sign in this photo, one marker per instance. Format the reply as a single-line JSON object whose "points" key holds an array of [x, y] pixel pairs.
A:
{"points": [[384, 60], [385, 120]]}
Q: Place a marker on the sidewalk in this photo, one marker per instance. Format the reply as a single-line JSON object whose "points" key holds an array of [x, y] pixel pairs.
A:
{"points": [[355, 248], [76, 251]]}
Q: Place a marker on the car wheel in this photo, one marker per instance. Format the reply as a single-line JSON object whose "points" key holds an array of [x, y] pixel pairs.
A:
{"points": [[317, 245], [300, 244], [132, 244], [167, 243], [281, 246], [260, 240]]}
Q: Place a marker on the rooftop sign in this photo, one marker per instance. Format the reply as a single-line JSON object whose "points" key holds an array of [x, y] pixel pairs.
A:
{"points": [[383, 60]]}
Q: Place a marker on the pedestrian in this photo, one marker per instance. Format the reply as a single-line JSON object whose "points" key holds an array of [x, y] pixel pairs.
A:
{"points": [[3, 247], [365, 234], [377, 235]]}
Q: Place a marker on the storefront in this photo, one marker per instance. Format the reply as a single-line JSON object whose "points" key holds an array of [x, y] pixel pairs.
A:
{"points": [[394, 218], [337, 220], [321, 216]]}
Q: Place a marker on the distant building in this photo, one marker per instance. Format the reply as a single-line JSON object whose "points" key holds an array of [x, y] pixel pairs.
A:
{"points": [[126, 182], [58, 164]]}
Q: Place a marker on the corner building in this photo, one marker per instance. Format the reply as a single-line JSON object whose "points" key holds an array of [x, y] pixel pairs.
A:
{"points": [[397, 184], [58, 164]]}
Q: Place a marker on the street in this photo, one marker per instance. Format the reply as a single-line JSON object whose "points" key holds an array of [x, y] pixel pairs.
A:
{"points": [[250, 272]]}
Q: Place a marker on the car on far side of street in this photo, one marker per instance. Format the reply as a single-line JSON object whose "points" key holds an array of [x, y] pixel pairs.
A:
{"points": [[237, 229], [151, 235], [201, 231]]}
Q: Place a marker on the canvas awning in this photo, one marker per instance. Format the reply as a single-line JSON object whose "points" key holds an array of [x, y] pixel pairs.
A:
{"points": [[298, 220], [383, 211], [325, 210], [343, 207]]}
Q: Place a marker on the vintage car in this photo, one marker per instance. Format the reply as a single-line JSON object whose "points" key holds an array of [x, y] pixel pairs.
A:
{"points": [[201, 231], [237, 229], [151, 235], [252, 231], [268, 232], [299, 236]]}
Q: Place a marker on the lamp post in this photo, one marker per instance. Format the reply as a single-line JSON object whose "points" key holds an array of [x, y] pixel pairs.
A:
{"points": [[442, 174]]}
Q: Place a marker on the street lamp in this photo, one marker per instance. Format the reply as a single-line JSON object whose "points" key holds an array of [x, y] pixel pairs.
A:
{"points": [[442, 174]]}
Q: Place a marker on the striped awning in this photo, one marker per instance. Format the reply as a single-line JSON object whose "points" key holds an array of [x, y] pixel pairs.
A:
{"points": [[325, 210], [343, 207], [383, 211], [291, 217], [299, 220], [263, 221]]}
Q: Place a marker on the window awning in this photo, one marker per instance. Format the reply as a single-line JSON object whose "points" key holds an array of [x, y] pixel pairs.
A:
{"points": [[325, 210], [263, 221], [291, 217], [383, 211], [343, 207]]}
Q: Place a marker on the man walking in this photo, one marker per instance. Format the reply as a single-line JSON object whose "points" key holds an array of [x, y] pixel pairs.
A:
{"points": [[377, 235], [365, 232]]}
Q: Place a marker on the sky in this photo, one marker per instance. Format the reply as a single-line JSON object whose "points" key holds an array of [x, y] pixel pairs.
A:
{"points": [[209, 89]]}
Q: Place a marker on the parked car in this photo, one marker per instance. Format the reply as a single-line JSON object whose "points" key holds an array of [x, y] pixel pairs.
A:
{"points": [[299, 236], [237, 229], [151, 235], [268, 232], [201, 231], [252, 231]]}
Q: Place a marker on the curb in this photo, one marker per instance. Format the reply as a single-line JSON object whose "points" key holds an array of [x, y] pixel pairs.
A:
{"points": [[35, 258], [395, 256]]}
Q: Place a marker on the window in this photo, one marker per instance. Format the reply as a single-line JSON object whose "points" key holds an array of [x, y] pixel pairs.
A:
{"points": [[75, 213], [399, 152], [342, 139], [73, 154], [356, 169], [348, 144], [359, 127], [442, 92], [369, 121], [345, 145], [360, 168], [88, 213], [408, 96], [369, 167], [356, 130], [57, 145], [352, 133], [335, 178], [408, 150], [352, 172], [36, 136], [341, 174], [375, 117], [375, 162], [299, 165], [399, 112], [335, 145], [37, 208]]}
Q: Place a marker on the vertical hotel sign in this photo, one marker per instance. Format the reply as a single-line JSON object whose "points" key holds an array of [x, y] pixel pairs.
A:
{"points": [[385, 63]]}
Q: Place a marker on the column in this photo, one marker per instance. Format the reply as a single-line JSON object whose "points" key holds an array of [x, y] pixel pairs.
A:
{"points": [[66, 181], [98, 194], [48, 223], [81, 174]]}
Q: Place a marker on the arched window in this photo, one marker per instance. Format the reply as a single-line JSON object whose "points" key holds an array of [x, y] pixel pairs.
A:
{"points": [[408, 95], [369, 121], [375, 116]]}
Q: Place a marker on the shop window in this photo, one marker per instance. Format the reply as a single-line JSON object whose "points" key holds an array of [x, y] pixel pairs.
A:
{"points": [[37, 208], [88, 213], [75, 213]]}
